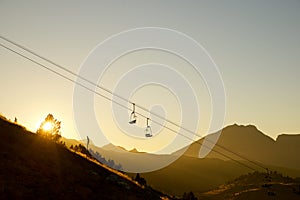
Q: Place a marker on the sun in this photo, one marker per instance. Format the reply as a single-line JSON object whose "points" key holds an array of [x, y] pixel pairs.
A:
{"points": [[47, 126]]}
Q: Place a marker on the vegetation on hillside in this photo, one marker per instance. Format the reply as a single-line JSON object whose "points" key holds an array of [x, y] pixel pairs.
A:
{"points": [[35, 167], [50, 128], [257, 185]]}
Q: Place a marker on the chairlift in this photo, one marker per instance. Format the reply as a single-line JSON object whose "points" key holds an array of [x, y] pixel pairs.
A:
{"points": [[148, 131], [133, 116]]}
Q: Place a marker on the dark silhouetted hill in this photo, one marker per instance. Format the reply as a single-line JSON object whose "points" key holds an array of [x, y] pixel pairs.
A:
{"points": [[32, 167]]}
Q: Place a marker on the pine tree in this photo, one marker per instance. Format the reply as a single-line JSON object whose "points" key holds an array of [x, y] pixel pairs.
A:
{"points": [[50, 128]]}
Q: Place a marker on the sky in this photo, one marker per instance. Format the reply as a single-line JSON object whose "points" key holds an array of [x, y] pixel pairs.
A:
{"points": [[254, 44]]}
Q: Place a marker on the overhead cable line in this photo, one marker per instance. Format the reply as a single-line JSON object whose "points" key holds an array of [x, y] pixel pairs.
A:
{"points": [[126, 100], [121, 105], [96, 85]]}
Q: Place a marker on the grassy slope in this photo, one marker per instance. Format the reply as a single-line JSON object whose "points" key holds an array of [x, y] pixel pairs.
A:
{"points": [[33, 167], [256, 186]]}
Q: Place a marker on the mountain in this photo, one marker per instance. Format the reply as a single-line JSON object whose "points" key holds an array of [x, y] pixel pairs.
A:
{"points": [[201, 174], [111, 147], [251, 143], [33, 167], [132, 161], [134, 150], [191, 173]]}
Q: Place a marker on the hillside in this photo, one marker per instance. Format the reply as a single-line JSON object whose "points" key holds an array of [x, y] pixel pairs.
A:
{"points": [[255, 186], [193, 174], [198, 175], [32, 167]]}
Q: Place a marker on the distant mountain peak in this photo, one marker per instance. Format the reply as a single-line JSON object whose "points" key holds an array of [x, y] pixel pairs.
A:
{"points": [[250, 126], [134, 150], [112, 147]]}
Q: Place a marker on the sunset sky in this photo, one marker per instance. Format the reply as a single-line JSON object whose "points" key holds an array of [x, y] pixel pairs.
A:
{"points": [[255, 44]]}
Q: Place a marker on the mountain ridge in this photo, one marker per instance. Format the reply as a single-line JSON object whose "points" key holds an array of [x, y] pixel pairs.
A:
{"points": [[251, 143], [208, 172]]}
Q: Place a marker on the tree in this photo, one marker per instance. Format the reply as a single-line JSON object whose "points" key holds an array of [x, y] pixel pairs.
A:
{"points": [[140, 180], [80, 148], [189, 196], [50, 128]]}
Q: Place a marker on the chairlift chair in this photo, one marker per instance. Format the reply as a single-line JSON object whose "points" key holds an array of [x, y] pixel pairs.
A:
{"points": [[148, 131], [133, 116]]}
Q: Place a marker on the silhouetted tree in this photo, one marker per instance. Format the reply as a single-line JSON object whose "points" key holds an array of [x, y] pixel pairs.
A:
{"points": [[63, 143], [184, 196], [140, 180], [118, 167], [189, 196], [102, 160], [111, 163], [53, 129], [137, 177], [16, 120], [76, 148], [80, 148]]}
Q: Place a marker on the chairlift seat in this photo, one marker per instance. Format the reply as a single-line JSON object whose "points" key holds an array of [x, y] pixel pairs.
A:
{"points": [[132, 118], [148, 135], [148, 132], [132, 121]]}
